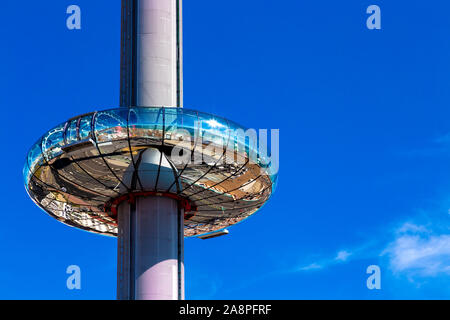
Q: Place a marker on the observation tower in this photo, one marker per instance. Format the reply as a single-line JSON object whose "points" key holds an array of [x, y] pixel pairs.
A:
{"points": [[149, 172]]}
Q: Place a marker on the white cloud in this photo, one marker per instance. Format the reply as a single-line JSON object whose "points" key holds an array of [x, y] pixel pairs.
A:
{"points": [[343, 255], [417, 251], [409, 227], [312, 266]]}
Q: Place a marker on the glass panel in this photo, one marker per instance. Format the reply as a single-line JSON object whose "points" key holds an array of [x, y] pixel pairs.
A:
{"points": [[181, 130], [52, 142], [71, 133], [274, 179], [146, 126], [208, 170], [35, 158], [111, 125], [215, 137], [85, 127], [26, 175], [180, 133]]}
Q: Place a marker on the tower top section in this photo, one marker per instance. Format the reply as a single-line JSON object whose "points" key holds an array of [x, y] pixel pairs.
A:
{"points": [[151, 53]]}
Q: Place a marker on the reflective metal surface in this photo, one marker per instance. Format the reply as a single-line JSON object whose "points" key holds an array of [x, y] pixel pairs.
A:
{"points": [[77, 170]]}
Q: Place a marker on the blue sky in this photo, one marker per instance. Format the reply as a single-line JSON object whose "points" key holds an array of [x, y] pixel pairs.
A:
{"points": [[364, 144]]}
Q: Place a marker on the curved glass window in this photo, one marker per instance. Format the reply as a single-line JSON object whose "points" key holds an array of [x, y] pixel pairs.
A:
{"points": [[71, 133], [215, 136], [274, 179], [35, 159], [26, 174], [53, 141], [146, 124], [85, 127], [246, 143], [180, 125], [111, 125]]}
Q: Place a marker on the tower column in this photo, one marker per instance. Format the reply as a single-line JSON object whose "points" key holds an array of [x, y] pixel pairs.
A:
{"points": [[151, 230], [152, 57], [150, 250]]}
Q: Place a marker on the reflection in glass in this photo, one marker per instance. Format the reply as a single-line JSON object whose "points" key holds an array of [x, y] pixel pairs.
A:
{"points": [[52, 142], [35, 158], [85, 127], [111, 125], [146, 125], [71, 133]]}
